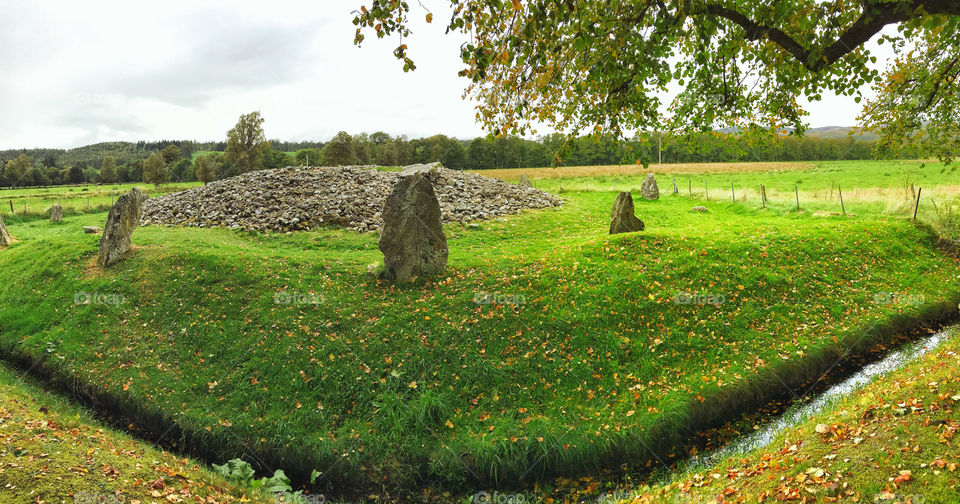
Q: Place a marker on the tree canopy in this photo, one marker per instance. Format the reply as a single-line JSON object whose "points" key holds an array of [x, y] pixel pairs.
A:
{"points": [[155, 170], [246, 143], [108, 170], [340, 150], [605, 66]]}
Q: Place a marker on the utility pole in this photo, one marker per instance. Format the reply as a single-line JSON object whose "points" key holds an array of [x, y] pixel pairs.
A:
{"points": [[660, 148]]}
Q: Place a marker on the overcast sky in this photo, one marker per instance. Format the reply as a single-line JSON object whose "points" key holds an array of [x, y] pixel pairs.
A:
{"points": [[75, 73]]}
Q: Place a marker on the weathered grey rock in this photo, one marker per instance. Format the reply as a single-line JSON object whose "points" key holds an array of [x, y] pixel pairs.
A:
{"points": [[434, 167], [524, 181], [622, 218], [56, 213], [649, 188], [699, 209], [118, 231], [5, 239], [91, 230], [412, 240], [303, 198]]}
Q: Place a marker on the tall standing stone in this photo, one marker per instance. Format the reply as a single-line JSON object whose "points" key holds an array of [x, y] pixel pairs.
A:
{"points": [[5, 239], [649, 188], [524, 181], [118, 231], [412, 239], [622, 218], [56, 213]]}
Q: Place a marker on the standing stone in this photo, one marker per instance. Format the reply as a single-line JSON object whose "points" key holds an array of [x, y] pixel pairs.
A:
{"points": [[91, 230], [5, 239], [412, 239], [117, 232], [649, 188], [622, 219], [524, 181], [56, 213]]}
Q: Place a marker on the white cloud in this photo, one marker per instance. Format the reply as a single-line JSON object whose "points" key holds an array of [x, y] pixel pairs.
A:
{"points": [[75, 73]]}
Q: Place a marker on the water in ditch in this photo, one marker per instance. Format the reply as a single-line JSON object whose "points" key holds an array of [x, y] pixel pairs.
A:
{"points": [[799, 412]]}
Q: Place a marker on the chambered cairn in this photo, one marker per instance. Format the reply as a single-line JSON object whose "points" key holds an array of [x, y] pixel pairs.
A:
{"points": [[118, 231], [412, 239]]}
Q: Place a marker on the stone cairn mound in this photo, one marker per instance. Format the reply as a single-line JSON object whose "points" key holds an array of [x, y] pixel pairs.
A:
{"points": [[302, 198]]}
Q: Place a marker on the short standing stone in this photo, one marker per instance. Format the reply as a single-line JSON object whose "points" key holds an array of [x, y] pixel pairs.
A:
{"points": [[524, 181], [5, 239], [622, 219], [649, 188], [122, 220], [56, 213], [91, 230], [412, 239], [699, 209]]}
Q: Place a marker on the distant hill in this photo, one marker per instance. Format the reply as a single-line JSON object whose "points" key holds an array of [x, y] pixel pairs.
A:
{"points": [[125, 152], [840, 132], [91, 155]]}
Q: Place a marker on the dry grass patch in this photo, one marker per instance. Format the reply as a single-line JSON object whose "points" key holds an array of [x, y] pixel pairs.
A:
{"points": [[512, 174]]}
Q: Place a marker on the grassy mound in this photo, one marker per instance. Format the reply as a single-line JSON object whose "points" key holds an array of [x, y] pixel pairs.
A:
{"points": [[891, 441], [55, 453], [548, 348]]}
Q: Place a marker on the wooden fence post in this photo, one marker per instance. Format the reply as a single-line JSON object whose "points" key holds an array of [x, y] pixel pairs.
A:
{"points": [[733, 194], [917, 205], [796, 192], [763, 196], [842, 208], [690, 188]]}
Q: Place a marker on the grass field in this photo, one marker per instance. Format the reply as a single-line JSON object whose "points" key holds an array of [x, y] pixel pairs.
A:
{"points": [[54, 452], [35, 203], [867, 186], [601, 349], [891, 441]]}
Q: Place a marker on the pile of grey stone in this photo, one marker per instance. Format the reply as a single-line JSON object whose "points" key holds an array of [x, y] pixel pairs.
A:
{"points": [[302, 198]]}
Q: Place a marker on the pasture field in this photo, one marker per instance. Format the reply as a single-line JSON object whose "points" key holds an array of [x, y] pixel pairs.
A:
{"points": [[867, 186], [36, 202]]}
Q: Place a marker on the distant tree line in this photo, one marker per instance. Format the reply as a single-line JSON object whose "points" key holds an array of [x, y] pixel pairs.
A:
{"points": [[247, 149]]}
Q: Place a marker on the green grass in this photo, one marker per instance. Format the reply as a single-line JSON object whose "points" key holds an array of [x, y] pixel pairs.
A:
{"points": [[35, 203], [55, 452], [818, 179], [888, 442], [380, 386]]}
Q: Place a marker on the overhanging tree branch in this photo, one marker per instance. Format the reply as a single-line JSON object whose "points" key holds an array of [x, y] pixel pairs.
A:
{"points": [[874, 17]]}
